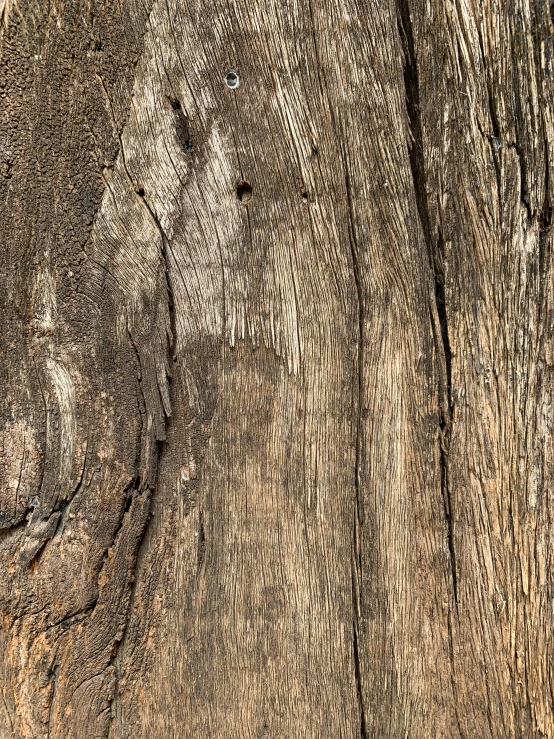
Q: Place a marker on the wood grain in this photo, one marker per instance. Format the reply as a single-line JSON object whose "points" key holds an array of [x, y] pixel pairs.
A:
{"points": [[275, 441]]}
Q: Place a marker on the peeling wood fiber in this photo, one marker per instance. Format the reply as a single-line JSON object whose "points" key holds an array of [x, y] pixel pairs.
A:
{"points": [[276, 429]]}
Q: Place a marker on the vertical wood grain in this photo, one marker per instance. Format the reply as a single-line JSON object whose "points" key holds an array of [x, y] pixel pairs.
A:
{"points": [[275, 436]]}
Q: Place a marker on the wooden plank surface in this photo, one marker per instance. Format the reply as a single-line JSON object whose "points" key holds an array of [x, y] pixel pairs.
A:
{"points": [[275, 441]]}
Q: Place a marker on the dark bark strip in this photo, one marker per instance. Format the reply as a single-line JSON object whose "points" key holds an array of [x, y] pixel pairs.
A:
{"points": [[69, 566]]}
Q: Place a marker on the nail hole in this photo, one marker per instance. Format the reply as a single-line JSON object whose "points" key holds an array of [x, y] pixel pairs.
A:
{"points": [[244, 192], [140, 192], [232, 79], [305, 197]]}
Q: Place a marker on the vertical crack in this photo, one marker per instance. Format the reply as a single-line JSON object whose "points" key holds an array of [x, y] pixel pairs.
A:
{"points": [[55, 672], [356, 649], [156, 452], [359, 512], [439, 315], [119, 644], [546, 212], [436, 261], [545, 224], [357, 564], [445, 358]]}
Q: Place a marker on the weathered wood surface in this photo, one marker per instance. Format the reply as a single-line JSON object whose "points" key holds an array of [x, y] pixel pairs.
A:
{"points": [[276, 424]]}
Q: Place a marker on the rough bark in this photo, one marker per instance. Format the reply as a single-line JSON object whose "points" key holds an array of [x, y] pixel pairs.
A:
{"points": [[276, 451]]}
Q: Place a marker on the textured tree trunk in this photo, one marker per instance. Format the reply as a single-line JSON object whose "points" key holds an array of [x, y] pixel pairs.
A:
{"points": [[276, 451]]}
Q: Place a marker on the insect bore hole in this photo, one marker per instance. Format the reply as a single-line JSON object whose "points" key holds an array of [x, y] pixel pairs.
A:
{"points": [[232, 79], [140, 192], [244, 192]]}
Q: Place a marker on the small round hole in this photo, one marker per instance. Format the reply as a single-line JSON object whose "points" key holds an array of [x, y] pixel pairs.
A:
{"points": [[140, 192], [305, 196], [176, 105], [244, 192], [232, 79]]}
